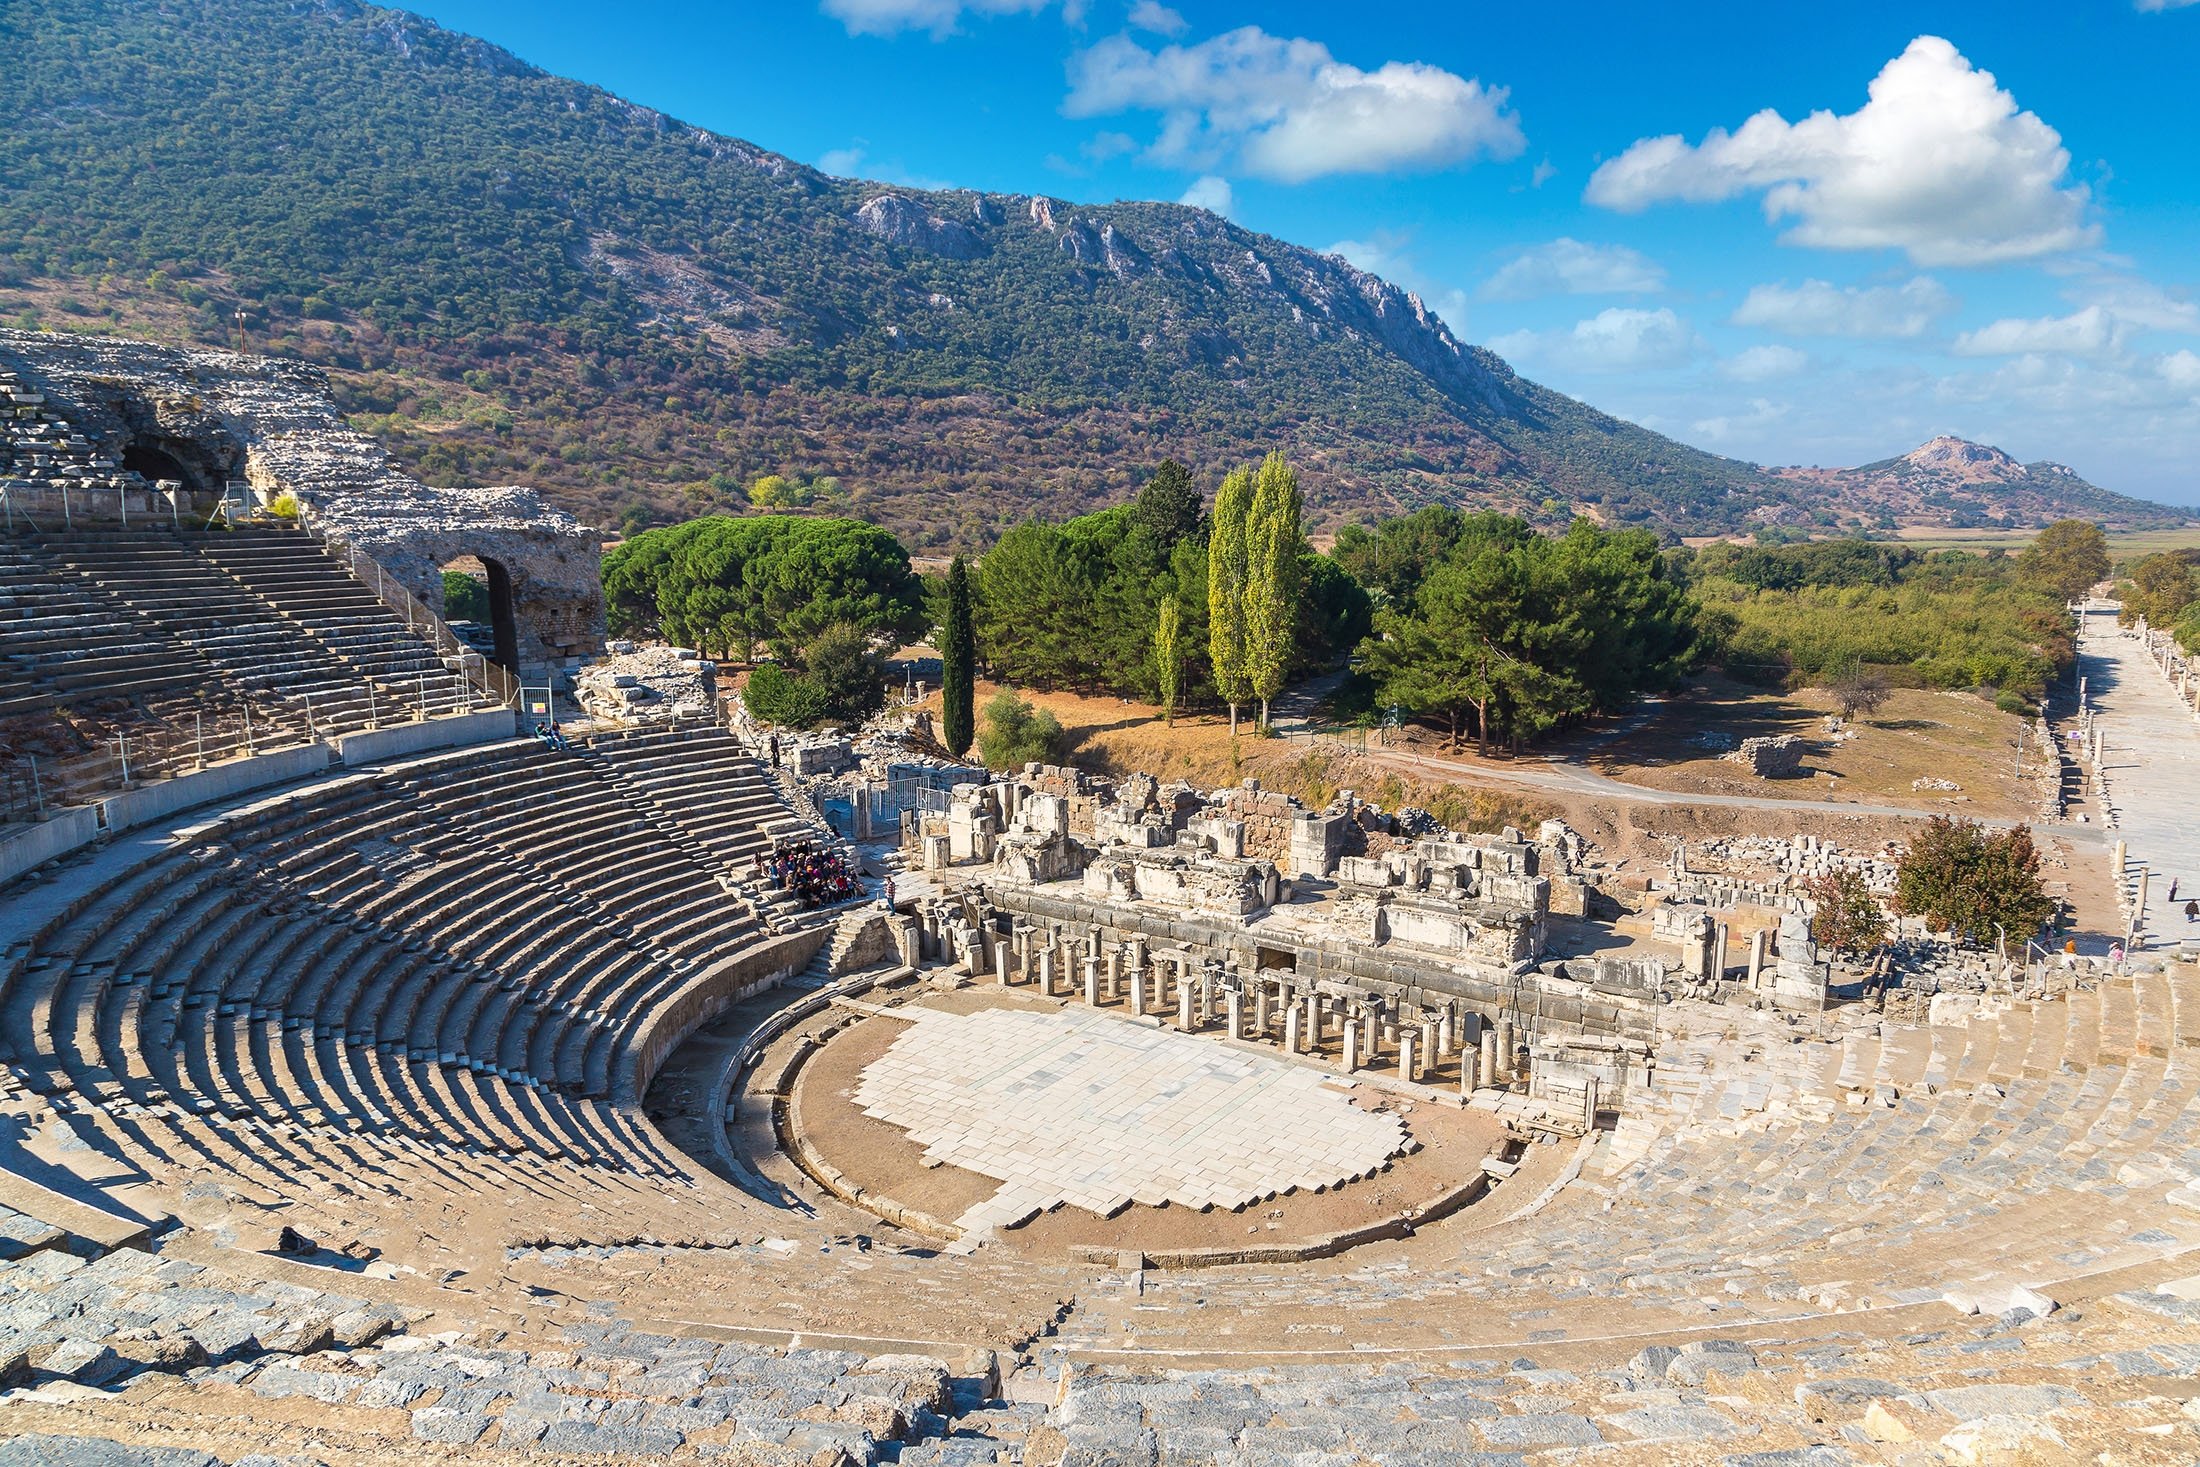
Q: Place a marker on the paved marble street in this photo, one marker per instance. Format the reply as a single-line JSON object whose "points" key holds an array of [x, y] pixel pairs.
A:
{"points": [[2153, 771], [1098, 1112]]}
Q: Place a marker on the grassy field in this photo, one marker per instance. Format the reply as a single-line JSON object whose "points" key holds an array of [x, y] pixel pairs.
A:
{"points": [[2122, 544]]}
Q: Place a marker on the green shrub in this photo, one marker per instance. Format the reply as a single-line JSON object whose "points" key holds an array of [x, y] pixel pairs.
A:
{"points": [[775, 695], [1013, 733]]}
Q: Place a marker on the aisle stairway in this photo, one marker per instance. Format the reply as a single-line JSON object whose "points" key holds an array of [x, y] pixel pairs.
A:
{"points": [[430, 969]]}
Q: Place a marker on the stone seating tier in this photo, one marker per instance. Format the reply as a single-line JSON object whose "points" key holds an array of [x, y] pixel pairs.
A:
{"points": [[413, 956]]}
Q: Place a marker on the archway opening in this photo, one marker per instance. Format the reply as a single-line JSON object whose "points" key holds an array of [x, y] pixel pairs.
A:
{"points": [[477, 602], [153, 463]]}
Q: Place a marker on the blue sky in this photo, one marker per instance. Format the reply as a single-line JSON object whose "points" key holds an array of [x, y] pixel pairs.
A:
{"points": [[1794, 234]]}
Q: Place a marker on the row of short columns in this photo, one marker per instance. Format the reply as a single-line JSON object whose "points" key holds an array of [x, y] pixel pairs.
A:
{"points": [[1197, 992]]}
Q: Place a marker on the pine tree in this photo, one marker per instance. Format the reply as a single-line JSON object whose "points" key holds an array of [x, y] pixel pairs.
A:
{"points": [[1272, 582], [1227, 572], [958, 653], [1168, 508], [1168, 655]]}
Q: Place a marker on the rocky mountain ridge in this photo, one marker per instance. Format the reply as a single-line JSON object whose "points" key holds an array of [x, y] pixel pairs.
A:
{"points": [[515, 278], [1955, 482]]}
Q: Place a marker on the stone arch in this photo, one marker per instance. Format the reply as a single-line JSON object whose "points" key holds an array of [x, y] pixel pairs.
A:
{"points": [[153, 462], [495, 614]]}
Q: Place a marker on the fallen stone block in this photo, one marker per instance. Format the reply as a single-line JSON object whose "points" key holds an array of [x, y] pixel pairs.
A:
{"points": [[1992, 1439]]}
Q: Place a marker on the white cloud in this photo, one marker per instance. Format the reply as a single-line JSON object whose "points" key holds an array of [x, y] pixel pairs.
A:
{"points": [[1151, 15], [887, 17], [1764, 363], [2181, 370], [1285, 109], [1569, 267], [2112, 309], [1545, 171], [1939, 163], [2092, 332], [840, 162], [2161, 5], [1819, 308], [1209, 193], [1620, 339], [1726, 427], [2137, 302]]}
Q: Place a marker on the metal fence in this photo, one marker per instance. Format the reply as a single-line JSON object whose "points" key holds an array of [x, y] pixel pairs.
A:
{"points": [[500, 688]]}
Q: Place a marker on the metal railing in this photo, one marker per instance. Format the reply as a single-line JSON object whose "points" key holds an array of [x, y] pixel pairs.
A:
{"points": [[500, 688]]}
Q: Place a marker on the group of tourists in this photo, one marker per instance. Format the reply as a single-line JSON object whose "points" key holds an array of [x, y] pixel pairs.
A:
{"points": [[553, 738], [819, 877]]}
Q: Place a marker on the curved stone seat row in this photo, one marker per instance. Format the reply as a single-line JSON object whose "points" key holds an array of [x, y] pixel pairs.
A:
{"points": [[448, 953], [707, 790], [1957, 1162], [264, 614]]}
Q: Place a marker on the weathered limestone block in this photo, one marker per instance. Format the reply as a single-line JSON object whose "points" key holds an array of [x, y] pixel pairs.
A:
{"points": [[648, 685], [1315, 843]]}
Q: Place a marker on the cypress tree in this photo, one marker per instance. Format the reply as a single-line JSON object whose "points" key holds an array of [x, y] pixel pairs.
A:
{"points": [[1272, 584], [1168, 655], [1227, 572], [958, 653]]}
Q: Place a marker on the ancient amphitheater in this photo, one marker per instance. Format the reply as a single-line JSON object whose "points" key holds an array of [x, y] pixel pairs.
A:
{"points": [[385, 1083]]}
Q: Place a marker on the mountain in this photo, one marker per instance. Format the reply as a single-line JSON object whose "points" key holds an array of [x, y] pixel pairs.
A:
{"points": [[1955, 482], [517, 278]]}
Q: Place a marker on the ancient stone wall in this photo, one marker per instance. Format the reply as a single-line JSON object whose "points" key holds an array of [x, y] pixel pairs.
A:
{"points": [[217, 416], [1780, 757]]}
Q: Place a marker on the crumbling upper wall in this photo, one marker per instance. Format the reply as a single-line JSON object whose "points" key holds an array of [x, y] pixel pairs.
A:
{"points": [[223, 415]]}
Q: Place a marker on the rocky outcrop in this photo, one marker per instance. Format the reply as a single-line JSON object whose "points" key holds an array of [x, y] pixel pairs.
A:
{"points": [[653, 684], [901, 220]]}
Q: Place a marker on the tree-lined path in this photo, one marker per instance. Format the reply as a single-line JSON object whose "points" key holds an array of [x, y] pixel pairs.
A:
{"points": [[2153, 760]]}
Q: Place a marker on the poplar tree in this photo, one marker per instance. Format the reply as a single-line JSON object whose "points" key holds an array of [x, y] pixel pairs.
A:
{"points": [[958, 654], [1168, 655], [1272, 582], [1227, 572]]}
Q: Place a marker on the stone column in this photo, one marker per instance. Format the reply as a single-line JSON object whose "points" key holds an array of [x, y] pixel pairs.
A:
{"points": [[1184, 1007], [1351, 1048], [1235, 1002], [1046, 971], [1115, 974], [1092, 982], [1138, 990], [1718, 954], [1371, 1036], [1138, 952], [1428, 1051], [1405, 1055], [1486, 1069], [1313, 1021], [1002, 971], [1508, 1048], [1444, 1045], [1291, 1030], [1757, 957], [1260, 1008]]}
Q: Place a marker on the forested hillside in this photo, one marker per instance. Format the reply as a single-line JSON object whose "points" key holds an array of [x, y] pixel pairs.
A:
{"points": [[514, 277]]}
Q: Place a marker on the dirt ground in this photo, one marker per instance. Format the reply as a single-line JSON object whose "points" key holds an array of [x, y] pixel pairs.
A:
{"points": [[1918, 735], [880, 1157]]}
